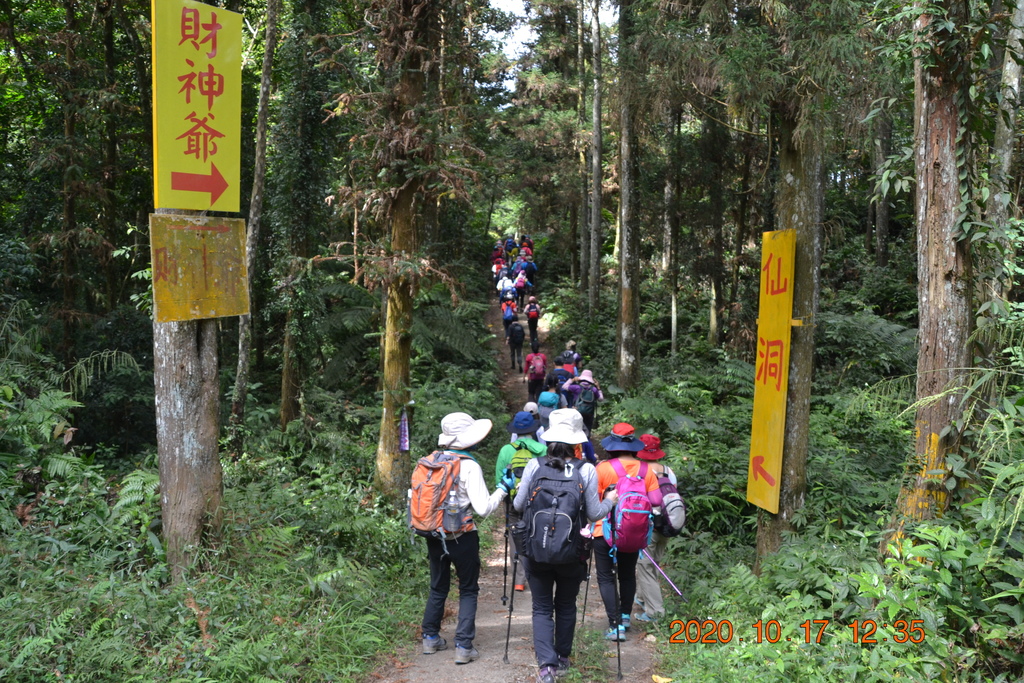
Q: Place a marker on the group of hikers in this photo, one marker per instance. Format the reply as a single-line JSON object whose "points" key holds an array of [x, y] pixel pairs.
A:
{"points": [[564, 509], [515, 273]]}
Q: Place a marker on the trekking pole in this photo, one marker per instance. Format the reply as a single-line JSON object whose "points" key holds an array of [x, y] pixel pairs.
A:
{"points": [[504, 562], [511, 602], [618, 611], [586, 591], [658, 567]]}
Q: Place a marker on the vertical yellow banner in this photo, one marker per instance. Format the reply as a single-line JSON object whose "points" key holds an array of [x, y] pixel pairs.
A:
{"points": [[197, 105], [775, 313]]}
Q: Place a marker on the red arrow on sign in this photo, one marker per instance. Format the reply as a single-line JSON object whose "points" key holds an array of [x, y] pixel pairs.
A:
{"points": [[213, 183], [757, 465]]}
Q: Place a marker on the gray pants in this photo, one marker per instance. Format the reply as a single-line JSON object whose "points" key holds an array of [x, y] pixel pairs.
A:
{"points": [[648, 586]]}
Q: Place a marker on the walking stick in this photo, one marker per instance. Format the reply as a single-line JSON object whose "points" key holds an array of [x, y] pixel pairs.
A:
{"points": [[658, 567], [511, 602], [618, 611], [586, 591], [504, 562]]}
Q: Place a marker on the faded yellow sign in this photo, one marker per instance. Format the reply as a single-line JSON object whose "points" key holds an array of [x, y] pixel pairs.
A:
{"points": [[197, 105], [199, 267], [775, 312]]}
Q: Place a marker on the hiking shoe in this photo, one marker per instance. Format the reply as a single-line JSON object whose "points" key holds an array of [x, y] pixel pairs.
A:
{"points": [[624, 620], [520, 587], [644, 617], [546, 674], [563, 667], [638, 602], [618, 634], [432, 645], [465, 655]]}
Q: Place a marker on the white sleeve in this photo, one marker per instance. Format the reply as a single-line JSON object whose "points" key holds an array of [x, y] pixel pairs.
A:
{"points": [[472, 479]]}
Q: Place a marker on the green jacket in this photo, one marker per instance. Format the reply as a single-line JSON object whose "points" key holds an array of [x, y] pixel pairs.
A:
{"points": [[509, 450]]}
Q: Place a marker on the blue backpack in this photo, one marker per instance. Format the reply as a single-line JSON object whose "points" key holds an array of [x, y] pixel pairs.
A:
{"points": [[508, 312]]}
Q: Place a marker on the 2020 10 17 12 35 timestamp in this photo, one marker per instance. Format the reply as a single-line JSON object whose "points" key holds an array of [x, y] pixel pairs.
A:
{"points": [[865, 631]]}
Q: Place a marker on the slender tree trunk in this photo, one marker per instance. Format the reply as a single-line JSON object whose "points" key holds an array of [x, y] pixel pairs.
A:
{"points": [[581, 121], [800, 207], [742, 211], [718, 141], [997, 209], [187, 409], [629, 228], [291, 385], [596, 231], [69, 191], [882, 148], [943, 271], [238, 396], [108, 216]]}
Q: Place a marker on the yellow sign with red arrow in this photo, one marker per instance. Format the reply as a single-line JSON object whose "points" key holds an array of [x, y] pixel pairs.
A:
{"points": [[197, 106], [771, 376]]}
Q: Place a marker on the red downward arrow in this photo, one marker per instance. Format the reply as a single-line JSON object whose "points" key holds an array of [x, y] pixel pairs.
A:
{"points": [[213, 183], [756, 464]]}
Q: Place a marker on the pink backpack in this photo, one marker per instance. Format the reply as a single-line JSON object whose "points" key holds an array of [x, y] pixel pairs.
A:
{"points": [[630, 523]]}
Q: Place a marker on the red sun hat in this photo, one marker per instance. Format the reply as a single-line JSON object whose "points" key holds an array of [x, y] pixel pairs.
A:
{"points": [[652, 448]]}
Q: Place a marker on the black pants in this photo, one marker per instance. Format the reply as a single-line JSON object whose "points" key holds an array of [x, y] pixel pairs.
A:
{"points": [[554, 588], [532, 322], [464, 553], [606, 579], [534, 387], [515, 350]]}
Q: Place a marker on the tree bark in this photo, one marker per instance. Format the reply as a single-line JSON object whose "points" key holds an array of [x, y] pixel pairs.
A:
{"points": [[596, 237], [187, 409], [238, 396], [629, 229], [882, 149], [392, 469], [943, 271], [581, 119], [800, 207], [718, 141]]}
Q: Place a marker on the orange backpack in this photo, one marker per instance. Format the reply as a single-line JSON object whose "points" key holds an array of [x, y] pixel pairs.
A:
{"points": [[433, 496]]}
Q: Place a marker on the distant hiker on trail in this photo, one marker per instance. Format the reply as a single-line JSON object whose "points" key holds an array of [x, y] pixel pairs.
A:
{"points": [[526, 242], [577, 359], [531, 271], [512, 460], [496, 269], [557, 568], [548, 401], [648, 586], [533, 313], [515, 335], [535, 369], [523, 288], [505, 287], [532, 408], [556, 379], [586, 394], [508, 312], [623, 471], [460, 547]]}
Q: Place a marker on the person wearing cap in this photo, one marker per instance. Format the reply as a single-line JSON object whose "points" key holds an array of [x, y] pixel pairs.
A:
{"points": [[533, 409], [648, 588], [554, 587], [460, 434], [523, 427], [621, 445]]}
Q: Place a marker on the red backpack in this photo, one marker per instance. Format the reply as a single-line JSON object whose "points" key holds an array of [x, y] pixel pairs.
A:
{"points": [[533, 311], [538, 366]]}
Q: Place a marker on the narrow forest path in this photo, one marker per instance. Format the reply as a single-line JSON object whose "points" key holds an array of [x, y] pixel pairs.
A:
{"points": [[594, 658]]}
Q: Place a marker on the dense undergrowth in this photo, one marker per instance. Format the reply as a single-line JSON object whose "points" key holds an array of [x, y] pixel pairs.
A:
{"points": [[946, 606], [311, 576]]}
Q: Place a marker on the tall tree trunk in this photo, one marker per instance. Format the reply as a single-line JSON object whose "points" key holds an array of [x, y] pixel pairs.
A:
{"points": [[629, 228], [742, 211], [69, 191], [291, 384], [997, 209], [943, 268], [717, 140], [238, 396], [800, 207], [108, 216], [186, 383], [581, 119], [596, 237], [392, 469], [882, 148]]}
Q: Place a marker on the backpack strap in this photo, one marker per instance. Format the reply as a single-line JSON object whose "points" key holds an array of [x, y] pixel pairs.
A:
{"points": [[619, 469]]}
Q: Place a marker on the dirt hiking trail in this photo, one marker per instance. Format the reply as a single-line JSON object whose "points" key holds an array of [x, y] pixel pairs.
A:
{"points": [[593, 658]]}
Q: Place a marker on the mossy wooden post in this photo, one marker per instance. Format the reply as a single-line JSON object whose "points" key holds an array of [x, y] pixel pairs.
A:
{"points": [[187, 412], [799, 207]]}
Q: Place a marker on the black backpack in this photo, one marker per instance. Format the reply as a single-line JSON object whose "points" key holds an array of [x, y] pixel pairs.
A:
{"points": [[550, 529], [516, 334], [566, 358], [561, 376], [587, 400]]}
